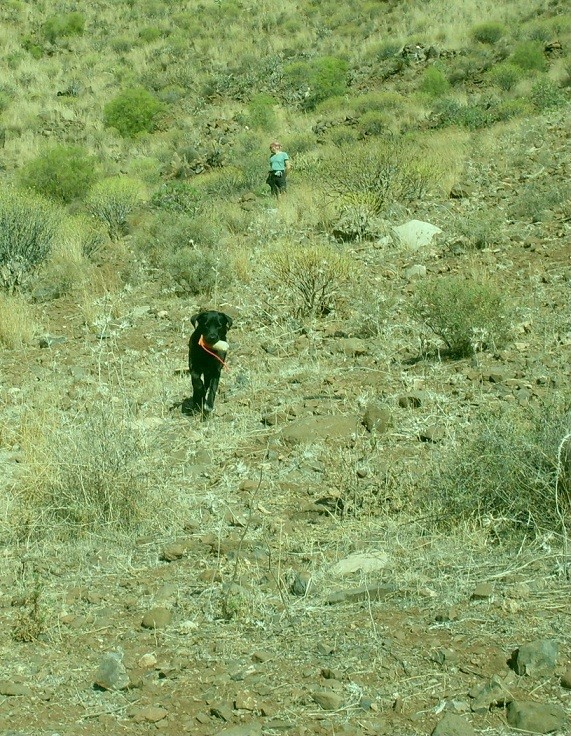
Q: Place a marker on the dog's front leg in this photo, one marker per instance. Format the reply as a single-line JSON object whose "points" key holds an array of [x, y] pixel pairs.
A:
{"points": [[198, 390], [210, 392]]}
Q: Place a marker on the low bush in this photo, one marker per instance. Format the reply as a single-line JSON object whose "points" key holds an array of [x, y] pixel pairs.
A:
{"points": [[113, 200], [132, 112], [374, 122], [434, 82], [467, 314], [261, 113], [193, 271], [547, 95], [62, 172], [311, 278], [504, 75], [505, 475], [490, 32], [177, 195], [375, 101], [63, 25], [534, 202], [17, 324], [529, 56], [312, 82], [150, 34], [391, 170], [87, 473], [28, 230]]}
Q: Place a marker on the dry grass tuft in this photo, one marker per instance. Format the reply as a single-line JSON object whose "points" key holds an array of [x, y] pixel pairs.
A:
{"points": [[18, 326]]}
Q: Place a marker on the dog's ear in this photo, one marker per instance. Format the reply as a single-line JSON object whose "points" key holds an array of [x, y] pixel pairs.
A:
{"points": [[228, 321], [194, 319]]}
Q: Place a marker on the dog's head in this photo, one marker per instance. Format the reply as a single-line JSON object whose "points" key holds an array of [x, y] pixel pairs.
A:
{"points": [[211, 325]]}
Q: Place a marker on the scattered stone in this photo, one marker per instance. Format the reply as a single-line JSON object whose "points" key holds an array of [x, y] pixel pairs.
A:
{"points": [[210, 575], [537, 658], [150, 714], [147, 661], [431, 434], [566, 679], [301, 584], [377, 417], [494, 692], [361, 562], [157, 618], [245, 701], [261, 657], [315, 428], [461, 191], [446, 615], [112, 674], [410, 401], [363, 593], [327, 700], [482, 592], [222, 711], [13, 689], [443, 656], [453, 725], [415, 272], [49, 341], [416, 234], [353, 346], [536, 717], [246, 729], [173, 552]]}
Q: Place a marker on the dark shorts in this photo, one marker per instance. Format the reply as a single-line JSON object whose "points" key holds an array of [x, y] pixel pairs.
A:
{"points": [[277, 182]]}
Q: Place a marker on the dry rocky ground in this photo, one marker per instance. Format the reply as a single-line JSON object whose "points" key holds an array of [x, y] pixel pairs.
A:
{"points": [[299, 594]]}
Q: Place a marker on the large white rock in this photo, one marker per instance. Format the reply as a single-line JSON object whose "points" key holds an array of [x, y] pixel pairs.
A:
{"points": [[415, 234], [364, 562]]}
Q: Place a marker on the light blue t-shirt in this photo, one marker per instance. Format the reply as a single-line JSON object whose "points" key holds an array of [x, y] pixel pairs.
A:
{"points": [[277, 161]]}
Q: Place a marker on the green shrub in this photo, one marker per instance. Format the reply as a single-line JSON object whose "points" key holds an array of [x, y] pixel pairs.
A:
{"points": [[375, 101], [33, 46], [177, 195], [392, 170], [504, 75], [113, 199], [503, 473], [88, 473], [63, 25], [490, 32], [63, 172], [132, 112], [193, 271], [529, 56], [311, 278], [546, 94], [509, 109], [534, 203], [121, 44], [28, 231], [374, 122], [261, 112], [17, 323], [150, 34], [317, 80], [466, 313], [434, 82], [383, 51], [449, 111]]}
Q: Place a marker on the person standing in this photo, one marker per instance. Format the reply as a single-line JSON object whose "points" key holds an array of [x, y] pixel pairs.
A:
{"points": [[279, 168]]}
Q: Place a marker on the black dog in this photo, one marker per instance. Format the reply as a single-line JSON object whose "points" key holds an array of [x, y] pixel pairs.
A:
{"points": [[206, 355]]}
